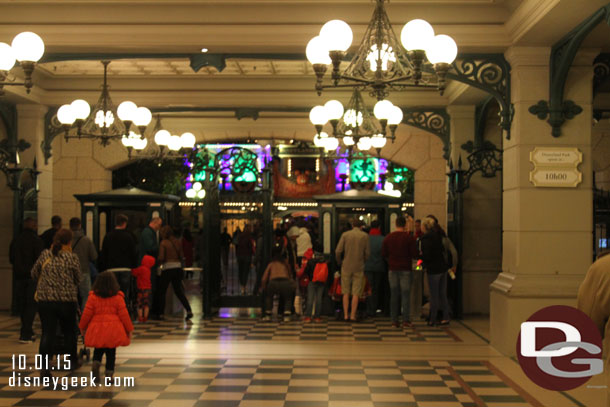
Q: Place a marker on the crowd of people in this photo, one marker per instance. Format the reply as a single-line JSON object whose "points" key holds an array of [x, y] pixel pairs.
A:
{"points": [[60, 275]]}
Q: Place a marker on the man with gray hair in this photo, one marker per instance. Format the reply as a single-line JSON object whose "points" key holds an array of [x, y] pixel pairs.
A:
{"points": [[351, 252], [149, 245]]}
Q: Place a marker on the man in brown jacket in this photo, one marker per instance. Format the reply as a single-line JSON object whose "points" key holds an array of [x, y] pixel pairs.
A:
{"points": [[594, 300], [352, 251]]}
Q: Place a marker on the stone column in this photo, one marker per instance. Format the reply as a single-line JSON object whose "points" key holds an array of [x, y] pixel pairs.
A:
{"points": [[462, 129], [31, 128], [547, 240]]}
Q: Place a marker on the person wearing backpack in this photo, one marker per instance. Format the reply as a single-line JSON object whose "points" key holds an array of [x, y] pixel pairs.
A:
{"points": [[315, 270], [83, 247]]}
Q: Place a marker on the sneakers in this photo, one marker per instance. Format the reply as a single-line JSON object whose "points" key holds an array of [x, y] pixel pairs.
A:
{"points": [[306, 320], [27, 340], [317, 320], [287, 317], [407, 324]]}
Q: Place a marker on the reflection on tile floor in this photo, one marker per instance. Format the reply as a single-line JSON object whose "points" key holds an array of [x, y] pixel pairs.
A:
{"points": [[286, 383], [236, 329]]}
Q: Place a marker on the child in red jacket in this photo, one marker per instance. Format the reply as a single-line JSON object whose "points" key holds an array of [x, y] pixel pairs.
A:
{"points": [[142, 275], [105, 322]]}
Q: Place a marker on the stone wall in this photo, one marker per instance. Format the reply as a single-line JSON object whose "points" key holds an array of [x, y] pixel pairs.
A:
{"points": [[601, 151]]}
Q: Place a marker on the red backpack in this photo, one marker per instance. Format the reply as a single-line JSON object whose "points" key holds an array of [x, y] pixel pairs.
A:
{"points": [[320, 273]]}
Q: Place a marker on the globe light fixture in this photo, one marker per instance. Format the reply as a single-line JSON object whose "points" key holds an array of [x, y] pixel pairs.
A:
{"points": [[191, 193], [356, 127], [103, 122], [27, 48], [382, 63]]}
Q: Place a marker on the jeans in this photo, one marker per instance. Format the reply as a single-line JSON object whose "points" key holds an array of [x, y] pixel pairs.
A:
{"points": [[26, 306], [243, 265], [52, 313], [174, 276], [438, 296], [375, 280], [124, 279], [84, 288], [315, 291], [400, 292], [110, 356], [285, 288]]}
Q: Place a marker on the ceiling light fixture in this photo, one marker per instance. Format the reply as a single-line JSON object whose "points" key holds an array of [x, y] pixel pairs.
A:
{"points": [[27, 48], [381, 63]]}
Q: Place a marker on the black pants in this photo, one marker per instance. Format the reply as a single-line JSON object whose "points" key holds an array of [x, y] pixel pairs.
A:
{"points": [[175, 277], [124, 279], [110, 356], [285, 288], [243, 265], [52, 313], [26, 306]]}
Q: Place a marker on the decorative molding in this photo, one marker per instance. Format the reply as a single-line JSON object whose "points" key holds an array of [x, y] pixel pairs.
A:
{"points": [[487, 160], [434, 120], [563, 53]]}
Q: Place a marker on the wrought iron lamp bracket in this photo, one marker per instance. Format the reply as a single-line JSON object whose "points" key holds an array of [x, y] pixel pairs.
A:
{"points": [[601, 71], [487, 160], [431, 119], [556, 109], [489, 73]]}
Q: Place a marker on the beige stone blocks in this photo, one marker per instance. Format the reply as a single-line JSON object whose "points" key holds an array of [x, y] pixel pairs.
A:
{"points": [[76, 148]]}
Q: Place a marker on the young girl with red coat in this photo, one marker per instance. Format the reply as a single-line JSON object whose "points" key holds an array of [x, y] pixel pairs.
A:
{"points": [[106, 322]]}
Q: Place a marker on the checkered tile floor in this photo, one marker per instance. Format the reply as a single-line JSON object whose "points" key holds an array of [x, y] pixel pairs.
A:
{"points": [[286, 383], [379, 329]]}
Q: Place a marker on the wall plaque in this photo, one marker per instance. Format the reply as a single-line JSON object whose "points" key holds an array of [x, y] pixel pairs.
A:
{"points": [[556, 156], [556, 177], [556, 167]]}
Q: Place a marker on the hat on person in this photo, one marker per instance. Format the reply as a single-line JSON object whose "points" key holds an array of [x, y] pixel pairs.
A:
{"points": [[293, 232]]}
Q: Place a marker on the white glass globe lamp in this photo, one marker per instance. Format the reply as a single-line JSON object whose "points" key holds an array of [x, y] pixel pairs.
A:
{"points": [[348, 141], [201, 194], [175, 143], [396, 115], [127, 111], [378, 141], [188, 140], [142, 116], [7, 57], [318, 116], [80, 109], [334, 109], [191, 193], [331, 143], [162, 137], [337, 35], [28, 47], [441, 49], [65, 115], [416, 35], [317, 51], [197, 186], [383, 109], [364, 144]]}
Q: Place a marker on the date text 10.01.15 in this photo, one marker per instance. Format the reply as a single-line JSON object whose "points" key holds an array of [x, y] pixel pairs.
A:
{"points": [[42, 362]]}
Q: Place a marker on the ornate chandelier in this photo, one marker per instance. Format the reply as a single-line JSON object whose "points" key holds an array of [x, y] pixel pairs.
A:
{"points": [[164, 145], [27, 48], [355, 125], [104, 122], [381, 63]]}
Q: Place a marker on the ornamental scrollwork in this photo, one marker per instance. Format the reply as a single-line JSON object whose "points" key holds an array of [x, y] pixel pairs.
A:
{"points": [[433, 120]]}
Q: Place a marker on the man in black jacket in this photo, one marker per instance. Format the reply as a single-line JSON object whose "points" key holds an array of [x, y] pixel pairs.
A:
{"points": [[119, 253], [48, 235], [23, 253]]}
